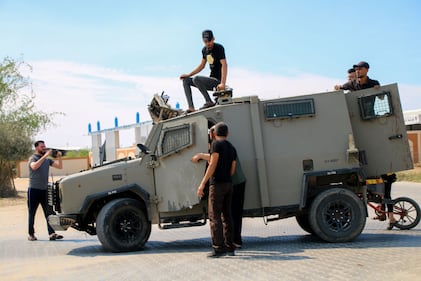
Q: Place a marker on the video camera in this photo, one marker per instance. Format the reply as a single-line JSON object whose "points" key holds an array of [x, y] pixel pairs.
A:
{"points": [[55, 150]]}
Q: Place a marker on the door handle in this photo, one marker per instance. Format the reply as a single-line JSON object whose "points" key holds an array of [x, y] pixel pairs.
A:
{"points": [[398, 136]]}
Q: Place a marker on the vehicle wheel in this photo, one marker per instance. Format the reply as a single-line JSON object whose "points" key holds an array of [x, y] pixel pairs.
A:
{"points": [[407, 213], [337, 215], [122, 225], [304, 223]]}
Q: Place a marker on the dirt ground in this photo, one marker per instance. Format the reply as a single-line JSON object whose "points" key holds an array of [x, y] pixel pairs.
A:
{"points": [[21, 186]]}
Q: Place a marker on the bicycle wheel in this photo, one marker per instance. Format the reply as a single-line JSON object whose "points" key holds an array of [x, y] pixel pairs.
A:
{"points": [[408, 212]]}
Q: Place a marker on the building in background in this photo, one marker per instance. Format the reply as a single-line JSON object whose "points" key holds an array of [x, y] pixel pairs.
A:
{"points": [[413, 128]]}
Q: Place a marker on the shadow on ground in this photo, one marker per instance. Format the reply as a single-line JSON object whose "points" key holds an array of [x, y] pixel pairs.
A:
{"points": [[275, 247]]}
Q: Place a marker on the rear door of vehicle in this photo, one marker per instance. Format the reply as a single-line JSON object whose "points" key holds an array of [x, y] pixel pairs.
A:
{"points": [[379, 130]]}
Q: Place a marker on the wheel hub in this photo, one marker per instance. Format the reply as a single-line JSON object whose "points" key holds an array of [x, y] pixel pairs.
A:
{"points": [[125, 226]]}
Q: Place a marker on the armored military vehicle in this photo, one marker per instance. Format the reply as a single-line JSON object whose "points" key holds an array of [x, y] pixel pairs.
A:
{"points": [[305, 156]]}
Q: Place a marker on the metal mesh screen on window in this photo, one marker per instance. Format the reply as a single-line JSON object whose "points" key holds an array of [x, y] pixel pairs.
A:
{"points": [[175, 139], [375, 106], [289, 109]]}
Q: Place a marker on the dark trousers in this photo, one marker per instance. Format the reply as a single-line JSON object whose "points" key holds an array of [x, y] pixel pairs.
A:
{"points": [[237, 205], [220, 220], [387, 196], [203, 83], [35, 198], [388, 180]]}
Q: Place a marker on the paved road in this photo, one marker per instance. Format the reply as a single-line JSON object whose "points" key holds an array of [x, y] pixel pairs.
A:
{"points": [[279, 250]]}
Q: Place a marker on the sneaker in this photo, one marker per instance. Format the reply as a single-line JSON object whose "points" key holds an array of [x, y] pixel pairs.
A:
{"points": [[230, 252], [216, 254], [237, 246], [55, 236], [190, 110], [32, 237], [207, 105]]}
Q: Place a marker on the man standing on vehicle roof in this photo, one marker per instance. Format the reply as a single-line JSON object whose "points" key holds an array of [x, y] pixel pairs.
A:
{"points": [[214, 54], [363, 81], [352, 76]]}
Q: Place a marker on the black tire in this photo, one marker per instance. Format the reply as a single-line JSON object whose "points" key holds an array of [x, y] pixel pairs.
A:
{"points": [[337, 215], [407, 213], [122, 225], [304, 223]]}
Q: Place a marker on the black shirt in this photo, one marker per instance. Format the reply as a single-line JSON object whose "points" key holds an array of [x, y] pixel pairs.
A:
{"points": [[370, 84], [347, 86], [214, 57], [227, 154]]}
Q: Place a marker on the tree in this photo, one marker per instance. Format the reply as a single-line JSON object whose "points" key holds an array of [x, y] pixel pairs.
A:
{"points": [[19, 121]]}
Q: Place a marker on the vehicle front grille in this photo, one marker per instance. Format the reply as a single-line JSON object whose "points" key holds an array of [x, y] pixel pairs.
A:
{"points": [[53, 197]]}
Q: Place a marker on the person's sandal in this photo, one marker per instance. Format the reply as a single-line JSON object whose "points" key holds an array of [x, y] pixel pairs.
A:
{"points": [[55, 236], [32, 238], [391, 225], [207, 105], [380, 217]]}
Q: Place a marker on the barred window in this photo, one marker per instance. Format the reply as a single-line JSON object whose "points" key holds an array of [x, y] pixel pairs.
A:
{"points": [[289, 109], [375, 106], [175, 139]]}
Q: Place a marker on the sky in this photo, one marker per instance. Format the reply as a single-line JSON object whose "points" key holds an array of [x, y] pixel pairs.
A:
{"points": [[98, 60]]}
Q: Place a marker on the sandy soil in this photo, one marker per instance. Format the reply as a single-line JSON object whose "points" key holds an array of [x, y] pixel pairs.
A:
{"points": [[21, 186]]}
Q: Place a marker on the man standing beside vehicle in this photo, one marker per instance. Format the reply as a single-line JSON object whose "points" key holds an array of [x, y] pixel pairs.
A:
{"points": [[221, 168], [39, 166], [214, 54], [238, 185]]}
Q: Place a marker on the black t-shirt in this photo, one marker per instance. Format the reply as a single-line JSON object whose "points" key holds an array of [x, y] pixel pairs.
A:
{"points": [[227, 154], [370, 84], [214, 57], [347, 86]]}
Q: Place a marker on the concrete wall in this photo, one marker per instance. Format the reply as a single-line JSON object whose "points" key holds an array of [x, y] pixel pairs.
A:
{"points": [[70, 166]]}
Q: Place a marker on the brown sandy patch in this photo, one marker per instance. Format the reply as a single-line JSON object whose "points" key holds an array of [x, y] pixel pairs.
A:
{"points": [[21, 187]]}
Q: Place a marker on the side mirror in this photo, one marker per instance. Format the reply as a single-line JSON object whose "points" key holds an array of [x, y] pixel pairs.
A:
{"points": [[143, 148]]}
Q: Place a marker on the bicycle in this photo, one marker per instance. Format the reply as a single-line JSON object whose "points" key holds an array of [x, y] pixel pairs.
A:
{"points": [[407, 212]]}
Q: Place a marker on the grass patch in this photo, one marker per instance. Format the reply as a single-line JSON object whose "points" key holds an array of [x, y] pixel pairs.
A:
{"points": [[413, 175]]}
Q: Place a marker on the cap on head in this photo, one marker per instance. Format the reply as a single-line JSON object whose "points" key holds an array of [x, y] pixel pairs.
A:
{"points": [[207, 35], [362, 64], [351, 70]]}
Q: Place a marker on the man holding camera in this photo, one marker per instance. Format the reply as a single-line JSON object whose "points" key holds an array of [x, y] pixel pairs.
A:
{"points": [[39, 166]]}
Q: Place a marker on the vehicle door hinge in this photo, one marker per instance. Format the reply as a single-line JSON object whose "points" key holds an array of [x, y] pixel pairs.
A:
{"points": [[153, 163], [155, 200]]}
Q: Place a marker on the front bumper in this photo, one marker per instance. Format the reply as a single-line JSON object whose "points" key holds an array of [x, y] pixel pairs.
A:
{"points": [[61, 223]]}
